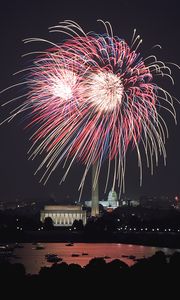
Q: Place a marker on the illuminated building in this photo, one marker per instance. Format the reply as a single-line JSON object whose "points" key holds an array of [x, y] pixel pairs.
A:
{"points": [[111, 202], [63, 215]]}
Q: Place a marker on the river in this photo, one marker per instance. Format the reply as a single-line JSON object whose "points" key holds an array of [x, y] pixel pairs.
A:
{"points": [[34, 259]]}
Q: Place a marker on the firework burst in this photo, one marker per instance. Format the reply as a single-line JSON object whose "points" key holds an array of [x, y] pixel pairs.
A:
{"points": [[93, 97]]}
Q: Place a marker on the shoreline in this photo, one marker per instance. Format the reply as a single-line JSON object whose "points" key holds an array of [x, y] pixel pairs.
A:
{"points": [[162, 240]]}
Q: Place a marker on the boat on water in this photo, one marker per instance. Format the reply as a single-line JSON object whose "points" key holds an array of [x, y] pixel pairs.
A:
{"points": [[17, 245], [39, 246], [132, 257], [6, 252], [51, 257], [6, 248], [70, 244], [75, 255]]}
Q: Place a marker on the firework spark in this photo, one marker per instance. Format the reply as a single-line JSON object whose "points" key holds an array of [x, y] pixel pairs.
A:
{"points": [[93, 97]]}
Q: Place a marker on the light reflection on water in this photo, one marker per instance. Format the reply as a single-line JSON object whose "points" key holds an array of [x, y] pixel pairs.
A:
{"points": [[34, 259]]}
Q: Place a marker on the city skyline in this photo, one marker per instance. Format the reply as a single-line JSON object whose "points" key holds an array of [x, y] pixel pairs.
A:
{"points": [[16, 172]]}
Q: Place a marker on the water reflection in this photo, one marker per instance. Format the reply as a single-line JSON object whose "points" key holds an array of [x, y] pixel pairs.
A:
{"points": [[34, 259]]}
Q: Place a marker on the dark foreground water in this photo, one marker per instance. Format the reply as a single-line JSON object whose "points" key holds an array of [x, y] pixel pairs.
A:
{"points": [[34, 259]]}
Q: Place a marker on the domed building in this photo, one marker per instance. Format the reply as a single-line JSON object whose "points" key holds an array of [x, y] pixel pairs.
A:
{"points": [[110, 203], [112, 199]]}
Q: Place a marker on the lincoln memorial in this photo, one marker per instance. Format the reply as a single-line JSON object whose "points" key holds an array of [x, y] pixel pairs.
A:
{"points": [[63, 215]]}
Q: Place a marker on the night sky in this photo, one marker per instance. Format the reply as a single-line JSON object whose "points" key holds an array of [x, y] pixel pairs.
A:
{"points": [[157, 22]]}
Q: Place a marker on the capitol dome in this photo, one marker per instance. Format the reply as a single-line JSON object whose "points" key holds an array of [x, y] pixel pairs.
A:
{"points": [[112, 199]]}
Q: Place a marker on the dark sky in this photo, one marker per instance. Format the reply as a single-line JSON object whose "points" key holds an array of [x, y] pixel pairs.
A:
{"points": [[158, 22]]}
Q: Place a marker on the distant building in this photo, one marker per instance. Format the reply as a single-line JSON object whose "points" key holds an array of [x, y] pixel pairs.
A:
{"points": [[111, 202], [128, 202], [63, 215], [5, 205], [160, 202]]}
